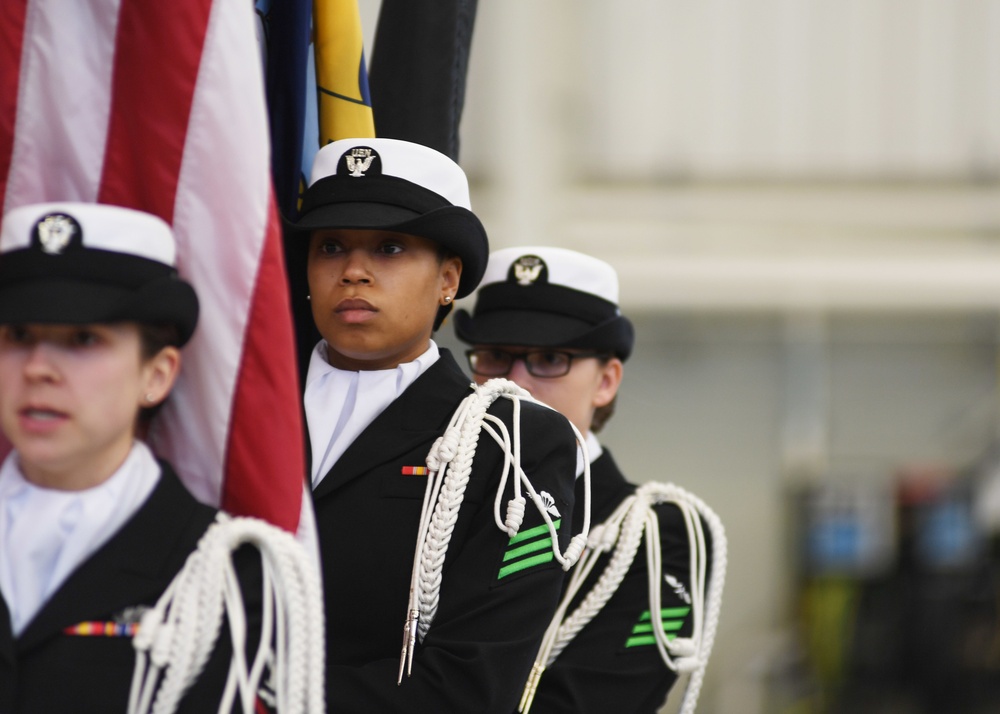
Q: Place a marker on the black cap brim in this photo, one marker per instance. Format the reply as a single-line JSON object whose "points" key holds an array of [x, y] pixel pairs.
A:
{"points": [[453, 227], [340, 203], [533, 328], [77, 302]]}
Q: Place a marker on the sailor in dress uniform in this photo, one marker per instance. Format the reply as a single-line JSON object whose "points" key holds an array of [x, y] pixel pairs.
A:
{"points": [[391, 243], [93, 527], [548, 319]]}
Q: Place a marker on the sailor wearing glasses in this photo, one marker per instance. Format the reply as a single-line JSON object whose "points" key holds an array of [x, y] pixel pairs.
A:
{"points": [[548, 319]]}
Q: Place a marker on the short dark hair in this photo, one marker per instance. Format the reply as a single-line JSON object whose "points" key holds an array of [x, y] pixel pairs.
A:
{"points": [[154, 337], [602, 414]]}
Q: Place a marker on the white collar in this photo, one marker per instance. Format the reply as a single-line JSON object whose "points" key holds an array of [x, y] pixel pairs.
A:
{"points": [[340, 404], [320, 368], [46, 534], [594, 452]]}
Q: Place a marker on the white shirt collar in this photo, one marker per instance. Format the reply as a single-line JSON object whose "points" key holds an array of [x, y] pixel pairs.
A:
{"points": [[594, 452], [340, 404], [46, 534]]}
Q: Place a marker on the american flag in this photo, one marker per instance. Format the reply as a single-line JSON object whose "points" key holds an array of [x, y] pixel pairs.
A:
{"points": [[160, 106]]}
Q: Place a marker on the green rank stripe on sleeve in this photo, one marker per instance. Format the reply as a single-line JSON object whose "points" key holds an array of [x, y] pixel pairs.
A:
{"points": [[533, 532], [672, 619], [523, 550]]}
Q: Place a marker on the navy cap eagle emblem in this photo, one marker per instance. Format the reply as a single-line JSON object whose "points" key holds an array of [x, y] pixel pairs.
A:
{"points": [[55, 231], [527, 269], [359, 161]]}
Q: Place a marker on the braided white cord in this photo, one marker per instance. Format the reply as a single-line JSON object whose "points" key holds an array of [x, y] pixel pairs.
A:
{"points": [[716, 583], [194, 598], [628, 531], [633, 517], [449, 468], [511, 523], [176, 637], [677, 655], [450, 494], [515, 508], [440, 456]]}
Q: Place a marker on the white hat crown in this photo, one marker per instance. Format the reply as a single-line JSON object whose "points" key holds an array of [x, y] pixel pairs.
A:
{"points": [[565, 268], [103, 227], [406, 160]]}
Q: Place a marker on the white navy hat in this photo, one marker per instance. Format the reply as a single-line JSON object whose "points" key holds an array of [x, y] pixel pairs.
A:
{"points": [[81, 263], [398, 186], [548, 297]]}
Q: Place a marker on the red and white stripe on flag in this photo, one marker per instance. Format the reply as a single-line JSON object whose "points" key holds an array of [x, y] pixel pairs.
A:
{"points": [[160, 106]]}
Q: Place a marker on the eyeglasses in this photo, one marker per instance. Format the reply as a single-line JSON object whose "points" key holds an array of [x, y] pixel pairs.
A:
{"points": [[539, 363]]}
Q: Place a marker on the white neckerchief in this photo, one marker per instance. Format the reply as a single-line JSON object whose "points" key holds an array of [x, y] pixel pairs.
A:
{"points": [[340, 404], [594, 451], [46, 534]]}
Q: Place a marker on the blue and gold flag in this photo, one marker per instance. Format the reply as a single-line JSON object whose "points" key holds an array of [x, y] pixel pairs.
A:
{"points": [[344, 104]]}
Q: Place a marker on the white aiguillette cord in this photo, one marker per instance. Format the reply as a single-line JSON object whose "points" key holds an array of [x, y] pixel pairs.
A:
{"points": [[176, 637], [623, 532], [449, 466]]}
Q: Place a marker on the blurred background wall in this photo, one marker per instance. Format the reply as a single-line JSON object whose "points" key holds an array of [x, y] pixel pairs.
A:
{"points": [[802, 199]]}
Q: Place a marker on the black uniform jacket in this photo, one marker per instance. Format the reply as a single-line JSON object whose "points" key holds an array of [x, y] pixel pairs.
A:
{"points": [[490, 621], [47, 670], [612, 665]]}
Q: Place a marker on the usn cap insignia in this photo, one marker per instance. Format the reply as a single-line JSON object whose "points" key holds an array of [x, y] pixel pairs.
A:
{"points": [[360, 161], [55, 231], [527, 270]]}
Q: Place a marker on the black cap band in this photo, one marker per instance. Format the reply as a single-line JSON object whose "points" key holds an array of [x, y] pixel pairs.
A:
{"points": [[555, 299], [386, 191]]}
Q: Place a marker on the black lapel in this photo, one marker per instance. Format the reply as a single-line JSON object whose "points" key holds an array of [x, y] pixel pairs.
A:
{"points": [[6, 635], [421, 411], [134, 566]]}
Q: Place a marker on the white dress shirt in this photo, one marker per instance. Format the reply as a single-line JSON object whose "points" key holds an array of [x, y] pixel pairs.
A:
{"points": [[594, 452], [46, 534], [340, 404]]}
